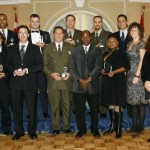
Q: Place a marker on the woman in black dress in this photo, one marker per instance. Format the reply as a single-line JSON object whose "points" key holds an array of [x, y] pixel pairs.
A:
{"points": [[145, 73], [113, 91]]}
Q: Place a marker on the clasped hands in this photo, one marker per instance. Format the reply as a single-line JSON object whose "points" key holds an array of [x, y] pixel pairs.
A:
{"points": [[56, 76], [85, 83], [20, 72], [2, 75], [110, 74]]}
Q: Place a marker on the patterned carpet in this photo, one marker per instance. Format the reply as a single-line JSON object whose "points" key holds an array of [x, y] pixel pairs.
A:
{"points": [[44, 125]]}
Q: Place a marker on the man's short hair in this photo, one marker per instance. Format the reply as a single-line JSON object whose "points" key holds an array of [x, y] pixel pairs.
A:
{"points": [[70, 15], [98, 17], [25, 27], [122, 15], [34, 16], [3, 15], [58, 27]]}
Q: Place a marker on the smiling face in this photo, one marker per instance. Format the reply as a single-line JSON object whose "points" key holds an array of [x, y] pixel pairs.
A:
{"points": [[86, 37], [23, 35], [134, 32], [112, 43], [122, 23], [70, 22], [58, 35], [97, 23], [3, 21], [35, 23]]}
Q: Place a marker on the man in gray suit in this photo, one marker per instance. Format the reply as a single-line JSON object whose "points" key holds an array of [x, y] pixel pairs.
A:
{"points": [[99, 39], [86, 68]]}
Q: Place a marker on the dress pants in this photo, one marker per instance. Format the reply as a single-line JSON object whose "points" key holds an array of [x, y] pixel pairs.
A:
{"points": [[42, 85], [4, 106], [57, 98], [93, 101], [18, 97]]}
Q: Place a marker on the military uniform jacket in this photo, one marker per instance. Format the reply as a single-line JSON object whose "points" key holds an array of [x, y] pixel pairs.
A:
{"points": [[53, 62]]}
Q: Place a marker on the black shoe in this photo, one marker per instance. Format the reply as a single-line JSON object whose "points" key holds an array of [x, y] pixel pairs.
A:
{"points": [[27, 116], [17, 136], [148, 140], [96, 134], [68, 131], [8, 133], [80, 134], [45, 115], [132, 130], [33, 135], [103, 115], [55, 132]]}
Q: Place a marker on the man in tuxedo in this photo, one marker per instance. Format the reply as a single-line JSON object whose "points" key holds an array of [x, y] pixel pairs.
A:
{"points": [[99, 39], [72, 35], [40, 38], [9, 36], [56, 58], [4, 100], [86, 65], [122, 34], [24, 61]]}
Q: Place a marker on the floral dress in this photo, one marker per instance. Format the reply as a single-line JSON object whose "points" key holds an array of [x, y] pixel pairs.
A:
{"points": [[135, 92]]}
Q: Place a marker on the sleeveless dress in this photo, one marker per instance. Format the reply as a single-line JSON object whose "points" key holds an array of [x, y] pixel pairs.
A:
{"points": [[135, 92]]}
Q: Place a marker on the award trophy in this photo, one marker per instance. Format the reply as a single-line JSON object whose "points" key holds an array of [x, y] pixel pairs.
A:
{"points": [[1, 68], [100, 44], [107, 67], [63, 75], [69, 38], [12, 41]]}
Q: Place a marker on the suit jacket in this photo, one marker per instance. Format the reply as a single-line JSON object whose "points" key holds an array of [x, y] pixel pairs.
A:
{"points": [[84, 66], [32, 60], [76, 37], [123, 45], [12, 36], [46, 37], [101, 39], [3, 56], [55, 63]]}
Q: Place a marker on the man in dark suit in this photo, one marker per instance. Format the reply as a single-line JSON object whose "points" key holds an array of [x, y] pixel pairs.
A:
{"points": [[124, 39], [99, 39], [56, 58], [122, 34], [24, 61], [9, 36], [72, 35], [4, 100], [86, 68], [40, 38]]}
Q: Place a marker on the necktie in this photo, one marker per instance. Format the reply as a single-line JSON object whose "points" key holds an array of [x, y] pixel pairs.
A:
{"points": [[59, 50], [4, 36], [69, 34], [122, 36], [85, 50], [96, 37], [22, 52], [36, 31]]}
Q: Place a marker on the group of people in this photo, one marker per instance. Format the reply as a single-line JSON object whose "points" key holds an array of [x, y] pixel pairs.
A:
{"points": [[105, 69]]}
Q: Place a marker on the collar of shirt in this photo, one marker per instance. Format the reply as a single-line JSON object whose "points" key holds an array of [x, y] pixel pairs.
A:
{"points": [[61, 43], [0, 48], [26, 44], [5, 31], [88, 46], [99, 32], [72, 32], [125, 33]]}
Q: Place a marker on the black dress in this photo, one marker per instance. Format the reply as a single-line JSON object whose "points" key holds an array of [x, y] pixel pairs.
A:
{"points": [[145, 72], [114, 88]]}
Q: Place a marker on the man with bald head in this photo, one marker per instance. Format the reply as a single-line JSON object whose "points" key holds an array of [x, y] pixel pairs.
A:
{"points": [[86, 67]]}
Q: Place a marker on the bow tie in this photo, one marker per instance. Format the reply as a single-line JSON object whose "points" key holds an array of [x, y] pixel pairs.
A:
{"points": [[35, 31]]}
